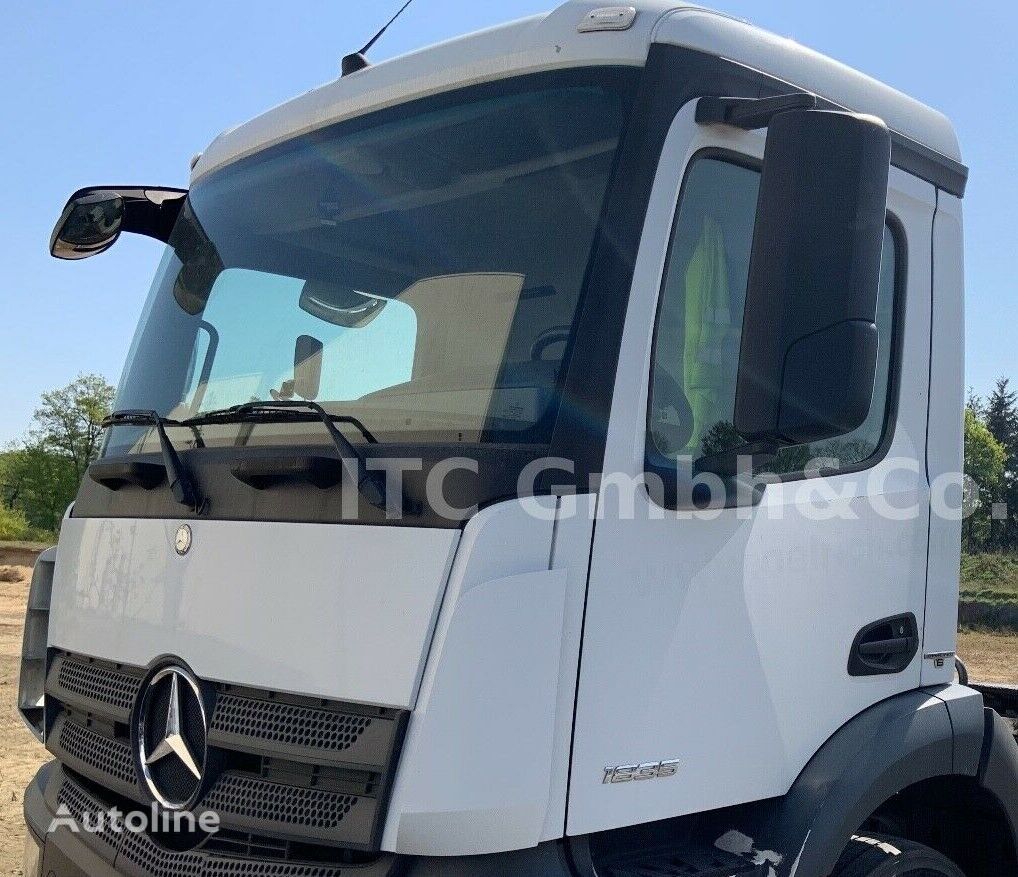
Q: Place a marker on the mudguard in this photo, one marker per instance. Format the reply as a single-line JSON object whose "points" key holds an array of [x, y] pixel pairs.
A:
{"points": [[998, 768], [899, 742]]}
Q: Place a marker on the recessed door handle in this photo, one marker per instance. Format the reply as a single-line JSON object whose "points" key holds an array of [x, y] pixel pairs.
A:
{"points": [[885, 646]]}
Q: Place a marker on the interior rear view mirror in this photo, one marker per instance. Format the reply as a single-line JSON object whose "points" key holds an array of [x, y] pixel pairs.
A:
{"points": [[339, 305], [809, 337], [307, 366], [89, 224]]}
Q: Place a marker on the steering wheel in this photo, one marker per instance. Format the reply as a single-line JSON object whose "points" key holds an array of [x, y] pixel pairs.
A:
{"points": [[550, 336]]}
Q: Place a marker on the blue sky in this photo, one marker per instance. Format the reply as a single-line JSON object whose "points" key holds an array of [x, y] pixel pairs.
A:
{"points": [[126, 92]]}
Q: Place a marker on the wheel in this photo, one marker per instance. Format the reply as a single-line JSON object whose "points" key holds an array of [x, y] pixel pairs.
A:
{"points": [[881, 855]]}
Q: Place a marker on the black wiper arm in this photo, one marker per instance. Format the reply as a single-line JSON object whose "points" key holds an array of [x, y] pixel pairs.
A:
{"points": [[181, 483], [370, 484]]}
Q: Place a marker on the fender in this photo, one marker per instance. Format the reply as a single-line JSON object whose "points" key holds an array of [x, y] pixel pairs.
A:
{"points": [[998, 769], [901, 741]]}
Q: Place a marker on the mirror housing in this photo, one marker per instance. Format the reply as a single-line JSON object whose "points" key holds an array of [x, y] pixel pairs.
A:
{"points": [[809, 339], [89, 224], [93, 218]]}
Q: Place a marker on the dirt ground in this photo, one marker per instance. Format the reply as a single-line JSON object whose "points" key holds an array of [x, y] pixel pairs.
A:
{"points": [[990, 658], [20, 755]]}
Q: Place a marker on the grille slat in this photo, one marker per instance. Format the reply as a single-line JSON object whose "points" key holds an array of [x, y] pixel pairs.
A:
{"points": [[328, 736], [291, 725], [316, 814], [106, 760], [99, 684]]}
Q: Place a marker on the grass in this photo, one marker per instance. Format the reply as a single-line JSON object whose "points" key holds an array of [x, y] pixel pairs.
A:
{"points": [[990, 578]]}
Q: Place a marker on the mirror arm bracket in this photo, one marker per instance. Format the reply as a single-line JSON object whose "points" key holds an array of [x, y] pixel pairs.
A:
{"points": [[750, 113], [153, 218]]}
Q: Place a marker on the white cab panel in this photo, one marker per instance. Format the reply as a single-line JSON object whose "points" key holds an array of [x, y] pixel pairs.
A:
{"points": [[723, 641], [484, 766], [945, 446], [554, 40], [343, 612]]}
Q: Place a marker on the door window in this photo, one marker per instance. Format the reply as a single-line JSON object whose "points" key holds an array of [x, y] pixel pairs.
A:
{"points": [[699, 327]]}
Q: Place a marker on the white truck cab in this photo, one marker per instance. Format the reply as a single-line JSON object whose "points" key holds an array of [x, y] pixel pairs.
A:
{"points": [[538, 455]]}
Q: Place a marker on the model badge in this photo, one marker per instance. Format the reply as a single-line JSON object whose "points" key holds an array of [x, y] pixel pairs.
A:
{"points": [[648, 770], [171, 737], [182, 541]]}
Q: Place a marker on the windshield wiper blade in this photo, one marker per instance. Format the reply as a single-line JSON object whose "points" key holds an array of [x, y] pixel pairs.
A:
{"points": [[181, 483], [370, 484]]}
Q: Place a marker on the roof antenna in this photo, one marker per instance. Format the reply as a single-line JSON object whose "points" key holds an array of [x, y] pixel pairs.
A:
{"points": [[357, 61]]}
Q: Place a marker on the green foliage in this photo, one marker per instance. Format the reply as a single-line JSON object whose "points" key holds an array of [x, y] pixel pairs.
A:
{"points": [[990, 572], [69, 421], [39, 475], [998, 483], [13, 524], [985, 460], [14, 527]]}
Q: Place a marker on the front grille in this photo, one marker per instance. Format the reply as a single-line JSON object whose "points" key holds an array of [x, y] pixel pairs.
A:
{"points": [[284, 768]]}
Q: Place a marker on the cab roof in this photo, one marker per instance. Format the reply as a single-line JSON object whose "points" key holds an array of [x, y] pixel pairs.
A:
{"points": [[555, 40]]}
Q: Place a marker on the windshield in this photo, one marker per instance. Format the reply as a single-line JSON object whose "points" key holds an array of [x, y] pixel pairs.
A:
{"points": [[419, 269]]}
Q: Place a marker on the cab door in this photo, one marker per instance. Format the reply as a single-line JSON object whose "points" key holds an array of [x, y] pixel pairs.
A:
{"points": [[720, 640]]}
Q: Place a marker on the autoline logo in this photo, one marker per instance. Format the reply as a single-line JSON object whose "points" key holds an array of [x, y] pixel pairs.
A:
{"points": [[136, 821]]}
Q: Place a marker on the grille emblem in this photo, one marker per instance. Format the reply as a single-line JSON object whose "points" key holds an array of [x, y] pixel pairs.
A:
{"points": [[172, 738], [182, 541]]}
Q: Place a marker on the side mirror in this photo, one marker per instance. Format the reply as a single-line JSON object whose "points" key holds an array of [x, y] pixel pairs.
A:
{"points": [[90, 224], [809, 337], [93, 218]]}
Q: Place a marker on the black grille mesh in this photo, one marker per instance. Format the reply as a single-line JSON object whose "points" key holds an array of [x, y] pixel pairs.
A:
{"points": [[289, 724], [142, 852], [257, 799], [81, 806], [105, 755], [240, 868], [100, 684]]}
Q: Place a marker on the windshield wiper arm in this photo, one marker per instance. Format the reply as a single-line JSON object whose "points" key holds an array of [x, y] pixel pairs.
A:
{"points": [[370, 484], [181, 483]]}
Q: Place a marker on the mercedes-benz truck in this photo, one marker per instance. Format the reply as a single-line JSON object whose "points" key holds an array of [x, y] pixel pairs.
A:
{"points": [[538, 455]]}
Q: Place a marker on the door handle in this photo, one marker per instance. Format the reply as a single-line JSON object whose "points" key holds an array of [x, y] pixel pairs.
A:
{"points": [[884, 647], [896, 646]]}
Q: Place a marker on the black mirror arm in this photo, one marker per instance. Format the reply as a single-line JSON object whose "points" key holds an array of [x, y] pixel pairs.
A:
{"points": [[150, 217], [750, 113]]}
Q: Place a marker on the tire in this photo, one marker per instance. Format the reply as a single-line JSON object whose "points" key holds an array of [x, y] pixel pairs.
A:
{"points": [[880, 855]]}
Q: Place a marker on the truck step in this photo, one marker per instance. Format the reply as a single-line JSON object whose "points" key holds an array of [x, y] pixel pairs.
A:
{"points": [[685, 862]]}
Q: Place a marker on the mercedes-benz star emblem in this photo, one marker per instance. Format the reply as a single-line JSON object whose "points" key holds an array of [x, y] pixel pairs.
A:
{"points": [[182, 541], [172, 738]]}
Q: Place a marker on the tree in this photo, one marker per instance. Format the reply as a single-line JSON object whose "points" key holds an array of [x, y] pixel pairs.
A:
{"points": [[69, 421], [1001, 417], [975, 403], [39, 476], [985, 459]]}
